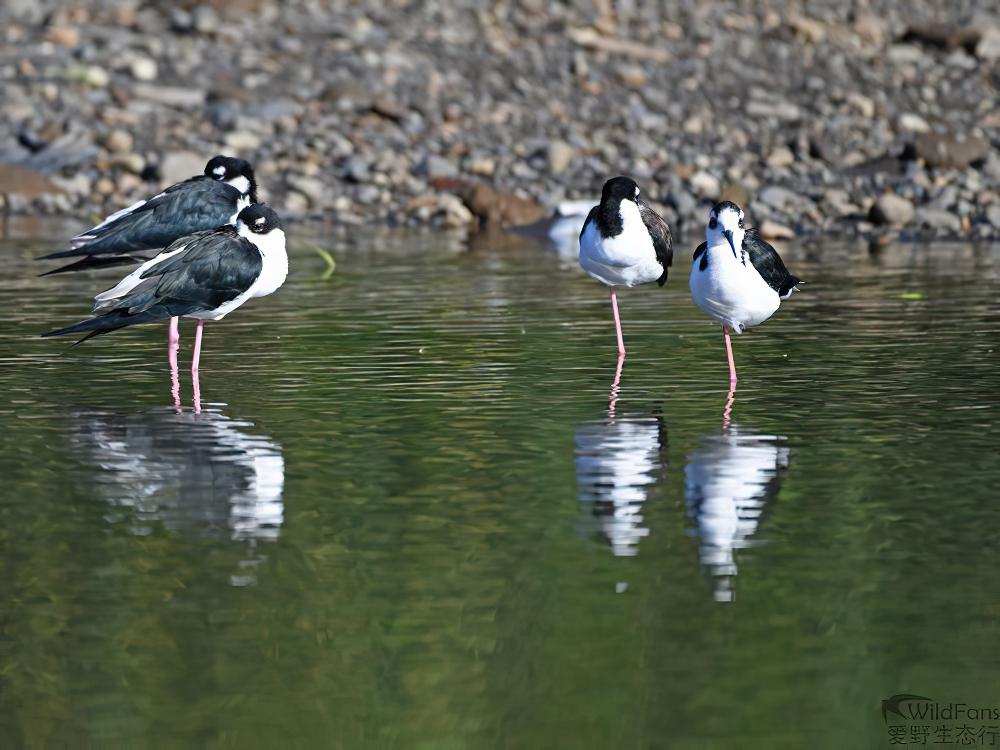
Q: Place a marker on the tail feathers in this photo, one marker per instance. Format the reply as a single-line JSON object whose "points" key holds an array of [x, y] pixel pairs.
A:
{"points": [[93, 262], [73, 252], [97, 243], [111, 321]]}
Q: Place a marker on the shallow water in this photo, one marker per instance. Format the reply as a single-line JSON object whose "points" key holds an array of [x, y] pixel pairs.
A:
{"points": [[414, 512]]}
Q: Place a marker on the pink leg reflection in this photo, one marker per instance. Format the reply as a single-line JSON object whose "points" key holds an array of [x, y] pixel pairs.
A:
{"points": [[195, 361], [196, 388], [729, 353], [727, 412], [613, 399], [618, 323], [175, 380]]}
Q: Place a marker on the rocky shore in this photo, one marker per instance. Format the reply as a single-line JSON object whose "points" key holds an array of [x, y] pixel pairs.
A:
{"points": [[819, 117]]}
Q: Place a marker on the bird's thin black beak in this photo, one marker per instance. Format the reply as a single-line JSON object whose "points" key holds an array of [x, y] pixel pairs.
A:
{"points": [[729, 236]]}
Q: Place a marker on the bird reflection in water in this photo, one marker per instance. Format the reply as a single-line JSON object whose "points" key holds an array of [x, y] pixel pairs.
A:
{"points": [[728, 482], [199, 474], [619, 460]]}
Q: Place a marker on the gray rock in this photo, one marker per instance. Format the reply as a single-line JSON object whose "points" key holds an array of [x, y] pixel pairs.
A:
{"points": [[779, 109], [243, 140], [78, 185], [705, 185], [205, 20], [837, 202], [311, 187], [946, 198], [912, 122], [772, 230], [683, 201], [357, 169], [129, 162], [991, 168], [904, 54], [988, 46], [119, 141], [559, 155], [433, 165], [144, 69], [782, 156], [992, 215], [785, 200], [68, 151], [891, 209], [181, 20], [368, 194], [951, 151], [296, 204], [943, 221], [171, 96], [180, 165]]}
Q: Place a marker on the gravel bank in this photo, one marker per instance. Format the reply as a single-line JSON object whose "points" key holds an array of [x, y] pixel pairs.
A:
{"points": [[818, 117]]}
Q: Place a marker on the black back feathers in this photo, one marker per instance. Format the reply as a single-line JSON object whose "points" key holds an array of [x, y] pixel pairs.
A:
{"points": [[659, 233], [768, 263]]}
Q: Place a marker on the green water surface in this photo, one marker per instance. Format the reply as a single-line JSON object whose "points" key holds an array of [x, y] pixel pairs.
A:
{"points": [[413, 514]]}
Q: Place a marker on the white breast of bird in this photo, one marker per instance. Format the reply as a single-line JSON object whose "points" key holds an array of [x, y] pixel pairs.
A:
{"points": [[732, 293]]}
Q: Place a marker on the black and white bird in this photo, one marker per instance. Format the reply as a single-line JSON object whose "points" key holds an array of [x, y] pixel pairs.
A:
{"points": [[206, 201], [624, 243], [728, 484], [205, 276], [736, 277], [206, 474], [619, 464]]}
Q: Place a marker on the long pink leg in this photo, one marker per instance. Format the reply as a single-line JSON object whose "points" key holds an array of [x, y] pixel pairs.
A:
{"points": [[729, 353], [196, 357], [173, 339], [618, 323]]}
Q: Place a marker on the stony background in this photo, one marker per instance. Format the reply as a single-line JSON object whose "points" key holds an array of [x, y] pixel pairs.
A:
{"points": [[835, 117]]}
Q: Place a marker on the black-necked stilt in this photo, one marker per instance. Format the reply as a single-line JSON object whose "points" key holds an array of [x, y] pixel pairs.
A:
{"points": [[209, 474], [206, 201], [205, 276], [619, 463], [728, 483], [736, 277], [624, 243]]}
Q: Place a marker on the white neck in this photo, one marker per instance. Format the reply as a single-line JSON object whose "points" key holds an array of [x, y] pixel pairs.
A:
{"points": [[275, 260], [241, 183], [629, 211], [717, 241]]}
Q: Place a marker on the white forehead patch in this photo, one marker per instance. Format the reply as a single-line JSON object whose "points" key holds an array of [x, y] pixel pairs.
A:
{"points": [[637, 192], [220, 170]]}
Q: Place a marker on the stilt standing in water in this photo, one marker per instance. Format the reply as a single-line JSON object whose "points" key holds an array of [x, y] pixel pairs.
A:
{"points": [[204, 276], [624, 243], [207, 201], [736, 277]]}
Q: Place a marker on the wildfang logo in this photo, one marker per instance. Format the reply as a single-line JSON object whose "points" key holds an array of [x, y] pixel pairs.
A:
{"points": [[892, 705]]}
